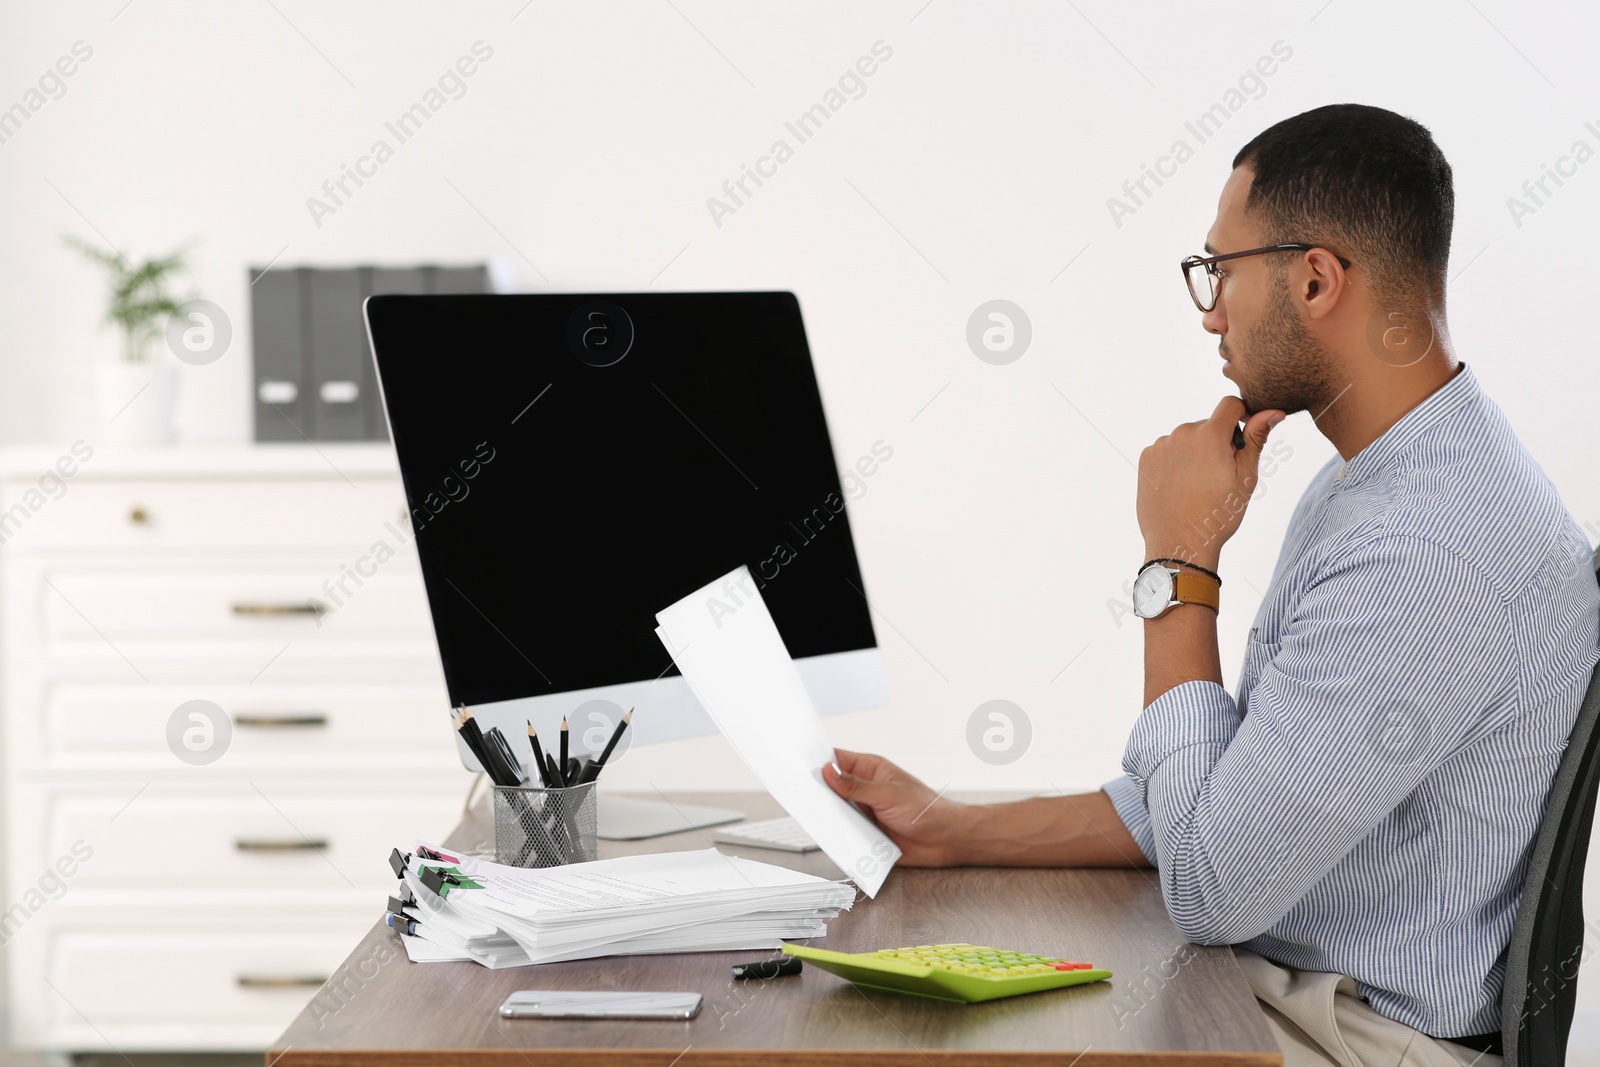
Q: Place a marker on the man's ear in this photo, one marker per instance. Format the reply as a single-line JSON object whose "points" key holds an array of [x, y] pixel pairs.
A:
{"points": [[1321, 268]]}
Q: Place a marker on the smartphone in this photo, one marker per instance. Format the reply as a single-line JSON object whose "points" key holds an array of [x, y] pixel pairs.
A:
{"points": [[599, 1004]]}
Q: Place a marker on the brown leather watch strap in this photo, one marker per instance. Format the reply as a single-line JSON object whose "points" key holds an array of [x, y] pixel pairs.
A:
{"points": [[1191, 587]]}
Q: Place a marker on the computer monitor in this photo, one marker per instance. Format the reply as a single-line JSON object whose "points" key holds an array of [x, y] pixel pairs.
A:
{"points": [[574, 463]]}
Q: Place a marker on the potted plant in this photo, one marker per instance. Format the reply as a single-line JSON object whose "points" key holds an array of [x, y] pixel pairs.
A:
{"points": [[137, 395]]}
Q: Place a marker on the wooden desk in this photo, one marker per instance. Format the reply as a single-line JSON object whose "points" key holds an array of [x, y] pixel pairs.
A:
{"points": [[1170, 1003]]}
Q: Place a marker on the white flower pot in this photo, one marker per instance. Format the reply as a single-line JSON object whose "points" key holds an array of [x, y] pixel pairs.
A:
{"points": [[137, 401]]}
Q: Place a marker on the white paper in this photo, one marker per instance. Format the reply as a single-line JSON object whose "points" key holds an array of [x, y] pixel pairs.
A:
{"points": [[724, 641], [698, 901], [421, 950]]}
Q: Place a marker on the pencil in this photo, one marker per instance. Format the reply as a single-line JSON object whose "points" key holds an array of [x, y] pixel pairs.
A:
{"points": [[616, 735], [470, 725], [472, 741], [592, 769], [538, 756], [562, 761]]}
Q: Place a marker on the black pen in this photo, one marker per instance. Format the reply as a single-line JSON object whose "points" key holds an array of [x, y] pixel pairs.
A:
{"points": [[490, 755], [511, 766]]}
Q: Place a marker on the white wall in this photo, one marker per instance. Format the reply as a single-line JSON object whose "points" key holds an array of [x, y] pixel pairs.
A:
{"points": [[977, 165]]}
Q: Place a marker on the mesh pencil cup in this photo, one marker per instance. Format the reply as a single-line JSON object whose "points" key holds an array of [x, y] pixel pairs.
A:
{"points": [[535, 827]]}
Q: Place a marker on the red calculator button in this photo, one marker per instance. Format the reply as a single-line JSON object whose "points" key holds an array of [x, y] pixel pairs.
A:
{"points": [[1064, 966]]}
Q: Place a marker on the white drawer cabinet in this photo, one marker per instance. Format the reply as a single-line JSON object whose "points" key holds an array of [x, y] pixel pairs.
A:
{"points": [[211, 513], [209, 602], [195, 978], [335, 725], [163, 904], [283, 837]]}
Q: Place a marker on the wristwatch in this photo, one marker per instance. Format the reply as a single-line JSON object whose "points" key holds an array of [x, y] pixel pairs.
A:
{"points": [[1160, 588]]}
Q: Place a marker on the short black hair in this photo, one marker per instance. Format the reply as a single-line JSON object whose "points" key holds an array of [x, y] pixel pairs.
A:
{"points": [[1363, 182]]}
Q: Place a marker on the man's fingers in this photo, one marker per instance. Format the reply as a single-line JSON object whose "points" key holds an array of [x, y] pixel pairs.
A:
{"points": [[1256, 429], [862, 764], [1229, 412], [855, 788]]}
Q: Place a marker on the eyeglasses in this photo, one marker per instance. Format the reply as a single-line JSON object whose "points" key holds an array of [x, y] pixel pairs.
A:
{"points": [[1203, 277]]}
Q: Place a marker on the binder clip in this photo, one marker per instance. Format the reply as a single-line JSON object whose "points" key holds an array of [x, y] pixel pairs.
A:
{"points": [[438, 879], [398, 860], [405, 900], [401, 923]]}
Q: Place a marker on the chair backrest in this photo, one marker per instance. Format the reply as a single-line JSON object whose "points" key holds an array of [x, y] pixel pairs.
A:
{"points": [[1547, 942]]}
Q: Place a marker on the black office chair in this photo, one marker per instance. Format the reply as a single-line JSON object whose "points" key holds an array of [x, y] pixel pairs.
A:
{"points": [[1547, 942]]}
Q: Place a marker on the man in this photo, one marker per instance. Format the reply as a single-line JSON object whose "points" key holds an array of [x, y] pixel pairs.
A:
{"points": [[1357, 819]]}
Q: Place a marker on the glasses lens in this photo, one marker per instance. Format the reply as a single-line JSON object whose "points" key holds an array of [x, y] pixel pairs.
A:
{"points": [[1202, 285]]}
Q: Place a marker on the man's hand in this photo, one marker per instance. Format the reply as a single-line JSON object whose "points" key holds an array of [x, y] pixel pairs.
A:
{"points": [[927, 827], [1194, 485]]}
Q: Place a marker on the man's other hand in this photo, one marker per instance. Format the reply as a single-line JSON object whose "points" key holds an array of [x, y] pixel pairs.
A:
{"points": [[1194, 485]]}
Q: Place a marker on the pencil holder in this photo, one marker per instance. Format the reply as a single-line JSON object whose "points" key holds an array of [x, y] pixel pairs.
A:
{"points": [[536, 827]]}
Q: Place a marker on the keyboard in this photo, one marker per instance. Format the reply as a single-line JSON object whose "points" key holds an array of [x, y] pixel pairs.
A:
{"points": [[783, 834], [956, 972]]}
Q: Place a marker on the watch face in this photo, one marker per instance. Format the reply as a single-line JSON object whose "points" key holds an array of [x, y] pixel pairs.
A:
{"points": [[1152, 591]]}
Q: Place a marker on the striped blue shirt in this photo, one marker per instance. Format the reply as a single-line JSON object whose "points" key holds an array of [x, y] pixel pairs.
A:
{"points": [[1366, 804]]}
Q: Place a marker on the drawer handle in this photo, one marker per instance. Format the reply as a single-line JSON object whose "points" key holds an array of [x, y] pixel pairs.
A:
{"points": [[281, 981], [301, 607], [314, 718], [138, 515], [303, 845]]}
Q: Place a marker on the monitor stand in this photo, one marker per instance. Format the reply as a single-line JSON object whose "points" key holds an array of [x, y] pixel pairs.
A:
{"points": [[632, 819]]}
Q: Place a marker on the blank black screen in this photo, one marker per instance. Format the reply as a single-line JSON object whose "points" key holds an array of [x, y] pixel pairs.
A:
{"points": [[558, 505]]}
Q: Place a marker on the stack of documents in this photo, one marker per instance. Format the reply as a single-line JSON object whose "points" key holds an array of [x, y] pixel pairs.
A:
{"points": [[701, 901]]}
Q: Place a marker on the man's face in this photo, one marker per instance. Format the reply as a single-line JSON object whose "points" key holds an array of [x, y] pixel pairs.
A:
{"points": [[1269, 353]]}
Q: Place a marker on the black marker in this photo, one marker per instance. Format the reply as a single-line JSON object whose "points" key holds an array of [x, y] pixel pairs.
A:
{"points": [[782, 968], [1238, 436]]}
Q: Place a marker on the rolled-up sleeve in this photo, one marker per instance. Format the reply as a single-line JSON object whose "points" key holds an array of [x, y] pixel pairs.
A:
{"points": [[1379, 675], [1128, 799]]}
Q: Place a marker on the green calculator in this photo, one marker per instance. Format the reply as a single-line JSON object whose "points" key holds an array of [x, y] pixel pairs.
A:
{"points": [[958, 972]]}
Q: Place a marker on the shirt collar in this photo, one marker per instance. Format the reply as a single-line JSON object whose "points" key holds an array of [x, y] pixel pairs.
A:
{"points": [[1452, 396]]}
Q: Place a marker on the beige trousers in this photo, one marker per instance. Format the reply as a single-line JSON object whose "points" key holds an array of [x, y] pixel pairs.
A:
{"points": [[1320, 1019]]}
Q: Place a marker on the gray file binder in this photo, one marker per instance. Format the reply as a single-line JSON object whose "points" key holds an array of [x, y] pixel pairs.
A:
{"points": [[278, 338], [460, 280], [340, 363], [314, 378]]}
